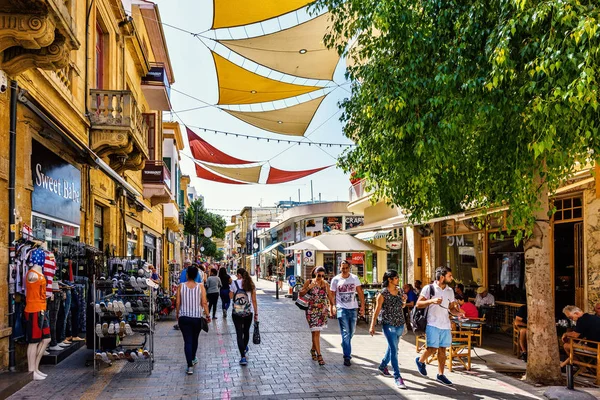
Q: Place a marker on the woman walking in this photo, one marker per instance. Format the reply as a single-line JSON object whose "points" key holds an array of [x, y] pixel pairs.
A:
{"points": [[390, 302], [318, 295], [191, 299], [224, 292], [213, 285], [243, 294]]}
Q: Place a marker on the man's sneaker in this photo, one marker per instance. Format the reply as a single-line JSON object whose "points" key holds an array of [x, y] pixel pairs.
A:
{"points": [[444, 380], [189, 371], [400, 383], [347, 362], [384, 371], [243, 361], [195, 361], [421, 367]]}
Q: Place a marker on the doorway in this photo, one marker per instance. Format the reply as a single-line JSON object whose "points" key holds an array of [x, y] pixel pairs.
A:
{"points": [[568, 266]]}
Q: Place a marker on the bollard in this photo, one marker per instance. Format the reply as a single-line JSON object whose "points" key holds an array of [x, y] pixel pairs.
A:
{"points": [[277, 288], [570, 380]]}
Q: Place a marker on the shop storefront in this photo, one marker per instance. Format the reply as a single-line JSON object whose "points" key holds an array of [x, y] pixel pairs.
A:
{"points": [[150, 248], [132, 240], [55, 200]]}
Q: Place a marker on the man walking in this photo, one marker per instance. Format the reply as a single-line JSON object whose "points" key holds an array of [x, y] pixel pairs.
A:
{"points": [[345, 286], [439, 297]]}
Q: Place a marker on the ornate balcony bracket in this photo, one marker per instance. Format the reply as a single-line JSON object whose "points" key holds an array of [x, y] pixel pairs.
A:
{"points": [[18, 59], [25, 30]]}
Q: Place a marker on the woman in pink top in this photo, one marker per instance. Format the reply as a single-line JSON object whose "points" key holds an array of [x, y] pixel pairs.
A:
{"points": [[468, 308]]}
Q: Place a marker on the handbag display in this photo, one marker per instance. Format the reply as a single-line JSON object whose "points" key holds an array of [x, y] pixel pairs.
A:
{"points": [[256, 334]]}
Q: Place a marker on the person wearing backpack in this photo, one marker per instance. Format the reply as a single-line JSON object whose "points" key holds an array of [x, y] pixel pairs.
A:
{"points": [[243, 295], [439, 300]]}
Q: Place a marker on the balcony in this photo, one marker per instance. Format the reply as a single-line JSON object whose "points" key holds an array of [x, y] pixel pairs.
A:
{"points": [[171, 216], [36, 34], [119, 132], [156, 179], [359, 196], [156, 88]]}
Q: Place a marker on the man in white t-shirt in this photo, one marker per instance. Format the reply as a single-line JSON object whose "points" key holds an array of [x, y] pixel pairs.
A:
{"points": [[345, 286], [439, 330]]}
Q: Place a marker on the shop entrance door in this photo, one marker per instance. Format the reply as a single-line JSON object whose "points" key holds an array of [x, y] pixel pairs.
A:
{"points": [[568, 266], [426, 261]]}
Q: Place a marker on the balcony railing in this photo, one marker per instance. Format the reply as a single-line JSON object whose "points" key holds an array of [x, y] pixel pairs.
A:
{"points": [[116, 110], [358, 190], [156, 172]]}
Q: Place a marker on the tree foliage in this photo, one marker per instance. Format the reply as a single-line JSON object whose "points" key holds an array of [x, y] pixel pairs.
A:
{"points": [[468, 103], [206, 219]]}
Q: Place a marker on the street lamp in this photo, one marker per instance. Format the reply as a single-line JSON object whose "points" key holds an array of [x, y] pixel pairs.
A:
{"points": [[255, 245]]}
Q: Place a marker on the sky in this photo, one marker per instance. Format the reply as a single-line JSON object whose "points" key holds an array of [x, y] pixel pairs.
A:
{"points": [[195, 75]]}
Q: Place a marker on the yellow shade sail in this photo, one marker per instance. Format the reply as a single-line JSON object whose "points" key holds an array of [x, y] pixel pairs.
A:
{"points": [[230, 13], [248, 174], [240, 86], [292, 120], [297, 51]]}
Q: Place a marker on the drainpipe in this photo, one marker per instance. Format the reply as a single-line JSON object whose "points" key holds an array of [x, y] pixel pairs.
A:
{"points": [[14, 87]]}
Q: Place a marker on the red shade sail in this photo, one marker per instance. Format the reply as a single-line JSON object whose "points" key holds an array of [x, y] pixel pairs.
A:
{"points": [[281, 176], [209, 176], [203, 151]]}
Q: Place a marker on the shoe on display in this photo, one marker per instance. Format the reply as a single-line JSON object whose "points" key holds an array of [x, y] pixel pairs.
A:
{"points": [[109, 306], [146, 354], [99, 330], [105, 328], [133, 282], [41, 373], [64, 345], [443, 379], [189, 370], [98, 355], [141, 283], [128, 330], [421, 367], [121, 354], [243, 361], [134, 355], [78, 339], [105, 357], [111, 328], [55, 348], [98, 309], [140, 304], [400, 383], [38, 377], [128, 307], [122, 328], [103, 307], [46, 353], [384, 371]]}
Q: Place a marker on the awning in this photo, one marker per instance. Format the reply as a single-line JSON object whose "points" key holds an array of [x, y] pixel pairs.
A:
{"points": [[370, 235], [297, 51], [204, 151], [272, 247], [280, 176], [230, 13], [237, 85], [245, 174], [293, 120], [388, 223]]}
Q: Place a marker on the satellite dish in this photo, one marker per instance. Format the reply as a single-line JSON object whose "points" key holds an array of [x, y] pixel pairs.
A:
{"points": [[207, 232]]}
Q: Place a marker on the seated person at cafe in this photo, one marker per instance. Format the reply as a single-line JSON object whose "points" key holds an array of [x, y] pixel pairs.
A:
{"points": [[521, 325], [468, 308], [459, 289], [587, 326], [484, 298], [418, 287], [597, 310]]}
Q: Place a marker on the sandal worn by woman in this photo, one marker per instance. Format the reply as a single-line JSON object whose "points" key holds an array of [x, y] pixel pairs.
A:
{"points": [[320, 359], [313, 354]]}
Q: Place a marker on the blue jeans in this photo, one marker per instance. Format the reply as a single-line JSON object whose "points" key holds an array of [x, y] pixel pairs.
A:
{"points": [[347, 320], [225, 300], [66, 327], [392, 335], [190, 330]]}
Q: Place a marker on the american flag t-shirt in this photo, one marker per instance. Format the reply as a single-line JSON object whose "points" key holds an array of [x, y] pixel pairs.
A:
{"points": [[49, 271]]}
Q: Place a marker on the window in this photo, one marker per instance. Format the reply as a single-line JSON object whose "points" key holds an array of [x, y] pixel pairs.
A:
{"points": [[506, 269], [464, 255], [568, 209], [98, 230], [100, 56], [151, 124]]}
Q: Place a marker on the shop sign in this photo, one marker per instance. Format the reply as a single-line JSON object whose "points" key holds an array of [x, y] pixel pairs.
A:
{"points": [[455, 240], [314, 227], [149, 241], [288, 234], [298, 261], [68, 231], [309, 258], [354, 221], [394, 245], [263, 225], [358, 258], [332, 223], [56, 185], [248, 242]]}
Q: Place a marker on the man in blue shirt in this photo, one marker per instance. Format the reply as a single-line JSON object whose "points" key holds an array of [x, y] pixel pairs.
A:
{"points": [[183, 277]]}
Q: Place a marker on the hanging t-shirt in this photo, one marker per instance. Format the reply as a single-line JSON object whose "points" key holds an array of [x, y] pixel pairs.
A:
{"points": [[49, 271], [345, 291]]}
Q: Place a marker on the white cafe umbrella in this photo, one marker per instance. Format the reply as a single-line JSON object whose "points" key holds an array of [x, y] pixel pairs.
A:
{"points": [[335, 241]]}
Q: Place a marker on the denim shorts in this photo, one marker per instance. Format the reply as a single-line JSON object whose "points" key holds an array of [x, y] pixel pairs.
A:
{"points": [[437, 337]]}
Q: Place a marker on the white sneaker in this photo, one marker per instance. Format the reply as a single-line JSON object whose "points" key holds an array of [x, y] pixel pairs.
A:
{"points": [[111, 329], [98, 309], [105, 357], [128, 307], [128, 330], [55, 348], [134, 355], [99, 330], [38, 377], [46, 353], [110, 306], [105, 328], [63, 344]]}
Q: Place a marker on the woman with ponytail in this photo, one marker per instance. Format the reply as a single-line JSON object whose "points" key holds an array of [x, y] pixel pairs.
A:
{"points": [[390, 303], [243, 294]]}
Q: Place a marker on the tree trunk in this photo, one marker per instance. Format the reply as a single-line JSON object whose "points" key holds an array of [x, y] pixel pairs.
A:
{"points": [[542, 343]]}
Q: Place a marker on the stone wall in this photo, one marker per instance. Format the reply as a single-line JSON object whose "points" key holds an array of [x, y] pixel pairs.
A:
{"points": [[592, 245]]}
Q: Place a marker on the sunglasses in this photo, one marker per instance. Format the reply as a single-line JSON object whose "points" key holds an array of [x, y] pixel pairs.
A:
{"points": [[321, 276]]}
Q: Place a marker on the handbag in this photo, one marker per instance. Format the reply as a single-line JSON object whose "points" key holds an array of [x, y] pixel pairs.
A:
{"points": [[302, 302], [203, 324], [256, 334]]}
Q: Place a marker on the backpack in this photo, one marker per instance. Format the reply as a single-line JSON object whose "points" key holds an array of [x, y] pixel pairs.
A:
{"points": [[241, 302], [418, 316]]}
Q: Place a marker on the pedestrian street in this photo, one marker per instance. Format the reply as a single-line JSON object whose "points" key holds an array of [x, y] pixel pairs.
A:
{"points": [[279, 368]]}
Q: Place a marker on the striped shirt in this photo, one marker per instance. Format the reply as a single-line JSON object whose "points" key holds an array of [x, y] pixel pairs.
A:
{"points": [[49, 271], [190, 302]]}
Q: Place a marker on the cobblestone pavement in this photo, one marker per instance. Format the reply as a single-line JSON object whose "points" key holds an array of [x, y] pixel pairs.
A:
{"points": [[279, 368]]}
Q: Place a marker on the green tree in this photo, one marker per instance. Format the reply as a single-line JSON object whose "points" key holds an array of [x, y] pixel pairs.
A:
{"points": [[461, 104], [206, 219]]}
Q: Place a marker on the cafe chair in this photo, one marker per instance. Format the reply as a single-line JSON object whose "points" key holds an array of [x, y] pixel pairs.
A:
{"points": [[421, 342], [585, 354], [459, 351]]}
